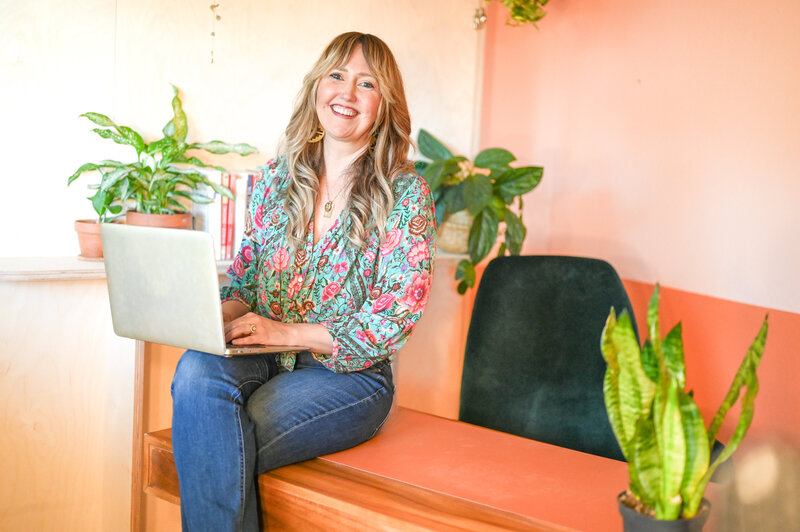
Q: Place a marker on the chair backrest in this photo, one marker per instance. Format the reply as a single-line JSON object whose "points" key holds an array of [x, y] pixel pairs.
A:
{"points": [[533, 364]]}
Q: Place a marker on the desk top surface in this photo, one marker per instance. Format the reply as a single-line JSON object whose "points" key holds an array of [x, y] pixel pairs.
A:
{"points": [[554, 485]]}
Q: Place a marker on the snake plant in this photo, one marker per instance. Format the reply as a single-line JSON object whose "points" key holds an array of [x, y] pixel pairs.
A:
{"points": [[656, 421]]}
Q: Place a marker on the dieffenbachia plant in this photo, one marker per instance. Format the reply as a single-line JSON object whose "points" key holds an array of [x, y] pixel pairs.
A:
{"points": [[656, 421], [163, 173]]}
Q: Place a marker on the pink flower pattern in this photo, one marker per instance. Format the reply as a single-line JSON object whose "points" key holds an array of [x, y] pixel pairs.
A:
{"points": [[331, 282]]}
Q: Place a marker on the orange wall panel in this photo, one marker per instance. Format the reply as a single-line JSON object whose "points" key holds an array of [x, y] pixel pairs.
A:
{"points": [[716, 335]]}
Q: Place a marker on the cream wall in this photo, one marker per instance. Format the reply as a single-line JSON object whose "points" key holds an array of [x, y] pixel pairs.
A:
{"points": [[117, 57], [668, 132]]}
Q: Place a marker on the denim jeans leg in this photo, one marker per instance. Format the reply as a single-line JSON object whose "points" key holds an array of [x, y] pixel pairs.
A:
{"points": [[313, 411], [213, 439]]}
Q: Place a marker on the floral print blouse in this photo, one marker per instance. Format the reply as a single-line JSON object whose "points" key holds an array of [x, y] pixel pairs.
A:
{"points": [[369, 299]]}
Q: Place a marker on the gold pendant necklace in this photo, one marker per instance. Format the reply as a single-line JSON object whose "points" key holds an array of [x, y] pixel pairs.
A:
{"points": [[328, 207]]}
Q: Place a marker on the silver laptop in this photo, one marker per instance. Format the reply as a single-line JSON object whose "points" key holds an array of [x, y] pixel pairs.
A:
{"points": [[163, 286]]}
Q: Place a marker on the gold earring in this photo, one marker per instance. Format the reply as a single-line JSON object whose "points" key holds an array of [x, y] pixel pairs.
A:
{"points": [[319, 134], [373, 140]]}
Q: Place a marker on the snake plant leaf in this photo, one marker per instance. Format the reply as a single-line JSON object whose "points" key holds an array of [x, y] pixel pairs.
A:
{"points": [[219, 147], [611, 382], [644, 464], [744, 375], [477, 193], [482, 235], [430, 147], [653, 326], [521, 180], [515, 232], [672, 450], [697, 451], [494, 159], [672, 349], [650, 362], [636, 390]]}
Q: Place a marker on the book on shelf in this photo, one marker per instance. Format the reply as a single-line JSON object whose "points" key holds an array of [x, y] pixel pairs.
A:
{"points": [[224, 218]]}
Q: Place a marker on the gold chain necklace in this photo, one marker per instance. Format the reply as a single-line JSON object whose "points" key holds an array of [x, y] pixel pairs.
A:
{"points": [[328, 207]]}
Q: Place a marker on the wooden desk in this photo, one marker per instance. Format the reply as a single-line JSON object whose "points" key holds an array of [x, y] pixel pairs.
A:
{"points": [[429, 473], [557, 487]]}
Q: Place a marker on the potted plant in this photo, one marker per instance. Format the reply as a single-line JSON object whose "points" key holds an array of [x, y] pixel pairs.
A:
{"points": [[522, 11], [163, 180], [658, 425], [472, 199]]}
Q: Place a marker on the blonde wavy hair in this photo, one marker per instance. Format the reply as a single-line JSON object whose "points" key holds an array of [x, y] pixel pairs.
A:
{"points": [[371, 174]]}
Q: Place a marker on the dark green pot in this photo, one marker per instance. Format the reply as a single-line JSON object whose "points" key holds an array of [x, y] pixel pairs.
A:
{"points": [[633, 521]]}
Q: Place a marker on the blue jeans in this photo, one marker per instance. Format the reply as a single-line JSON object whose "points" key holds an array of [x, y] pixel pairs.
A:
{"points": [[234, 418]]}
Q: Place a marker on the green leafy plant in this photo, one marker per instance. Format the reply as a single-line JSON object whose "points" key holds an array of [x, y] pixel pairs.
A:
{"points": [[656, 421], [524, 11], [163, 173], [485, 187]]}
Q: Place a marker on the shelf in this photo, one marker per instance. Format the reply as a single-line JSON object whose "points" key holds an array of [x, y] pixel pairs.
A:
{"points": [[60, 269]]}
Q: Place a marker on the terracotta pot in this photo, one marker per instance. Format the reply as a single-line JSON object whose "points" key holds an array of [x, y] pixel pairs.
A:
{"points": [[174, 221], [89, 239], [453, 234], [633, 521]]}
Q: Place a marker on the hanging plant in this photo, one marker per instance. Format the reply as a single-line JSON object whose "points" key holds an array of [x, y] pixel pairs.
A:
{"points": [[524, 11]]}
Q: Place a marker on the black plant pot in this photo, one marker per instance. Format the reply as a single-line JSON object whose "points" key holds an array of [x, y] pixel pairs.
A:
{"points": [[633, 521]]}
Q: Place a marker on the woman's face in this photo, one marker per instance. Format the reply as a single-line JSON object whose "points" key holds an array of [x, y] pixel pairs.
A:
{"points": [[347, 101]]}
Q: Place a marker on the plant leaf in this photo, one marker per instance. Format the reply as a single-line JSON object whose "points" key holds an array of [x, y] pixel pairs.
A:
{"points": [[433, 174], [219, 147], [100, 119], [477, 193], [515, 232], [745, 376], [520, 180], [672, 348], [84, 168], [466, 271], [454, 199], [177, 128], [672, 451], [494, 158], [697, 450], [482, 235], [650, 362], [431, 147]]}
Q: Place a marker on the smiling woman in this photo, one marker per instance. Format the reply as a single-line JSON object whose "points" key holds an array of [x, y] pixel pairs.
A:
{"points": [[338, 257]]}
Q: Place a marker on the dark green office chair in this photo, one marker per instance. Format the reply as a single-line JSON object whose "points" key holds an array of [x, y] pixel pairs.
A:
{"points": [[533, 365]]}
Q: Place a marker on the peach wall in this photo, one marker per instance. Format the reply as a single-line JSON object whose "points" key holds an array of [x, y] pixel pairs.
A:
{"points": [[668, 133]]}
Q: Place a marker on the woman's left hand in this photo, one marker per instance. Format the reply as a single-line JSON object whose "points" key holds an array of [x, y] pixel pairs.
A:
{"points": [[252, 329]]}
